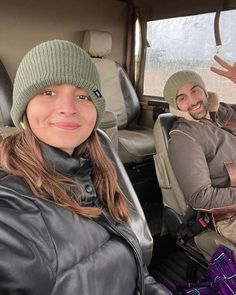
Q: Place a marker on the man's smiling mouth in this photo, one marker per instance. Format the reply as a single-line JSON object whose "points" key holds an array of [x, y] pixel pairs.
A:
{"points": [[196, 107]]}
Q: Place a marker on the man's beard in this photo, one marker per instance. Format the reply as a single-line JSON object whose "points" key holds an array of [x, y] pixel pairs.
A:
{"points": [[203, 113]]}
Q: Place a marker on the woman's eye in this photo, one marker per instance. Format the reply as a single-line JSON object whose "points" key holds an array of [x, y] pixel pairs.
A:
{"points": [[83, 97], [48, 93]]}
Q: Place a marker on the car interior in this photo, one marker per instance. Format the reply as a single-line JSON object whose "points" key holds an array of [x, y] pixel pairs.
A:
{"points": [[121, 36]]}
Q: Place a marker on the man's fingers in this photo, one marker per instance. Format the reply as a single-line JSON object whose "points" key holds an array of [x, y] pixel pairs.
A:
{"points": [[219, 72], [223, 63]]}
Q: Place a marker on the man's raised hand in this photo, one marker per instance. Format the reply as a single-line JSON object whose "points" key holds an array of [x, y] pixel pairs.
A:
{"points": [[229, 71]]}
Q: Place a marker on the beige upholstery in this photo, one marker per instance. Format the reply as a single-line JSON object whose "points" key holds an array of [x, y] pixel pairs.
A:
{"points": [[208, 242], [171, 192], [173, 197], [97, 43], [110, 85], [6, 131], [135, 144], [109, 125]]}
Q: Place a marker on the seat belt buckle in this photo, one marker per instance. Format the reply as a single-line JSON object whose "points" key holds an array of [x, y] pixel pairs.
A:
{"points": [[202, 222], [189, 230]]}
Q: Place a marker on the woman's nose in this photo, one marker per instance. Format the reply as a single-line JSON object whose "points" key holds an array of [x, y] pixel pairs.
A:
{"points": [[67, 105]]}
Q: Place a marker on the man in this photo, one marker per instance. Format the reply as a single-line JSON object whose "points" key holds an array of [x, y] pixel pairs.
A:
{"points": [[202, 148]]}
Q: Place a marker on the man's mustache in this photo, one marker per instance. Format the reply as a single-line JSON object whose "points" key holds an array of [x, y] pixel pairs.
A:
{"points": [[200, 102]]}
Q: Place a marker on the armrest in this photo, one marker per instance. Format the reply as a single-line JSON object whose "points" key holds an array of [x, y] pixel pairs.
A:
{"points": [[109, 125], [159, 107], [109, 120]]}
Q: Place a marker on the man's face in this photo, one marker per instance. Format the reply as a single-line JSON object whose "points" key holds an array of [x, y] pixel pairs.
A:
{"points": [[192, 98]]}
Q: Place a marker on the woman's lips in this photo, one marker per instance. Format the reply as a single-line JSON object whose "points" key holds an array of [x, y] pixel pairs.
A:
{"points": [[66, 125]]}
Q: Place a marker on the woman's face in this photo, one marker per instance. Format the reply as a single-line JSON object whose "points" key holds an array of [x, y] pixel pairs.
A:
{"points": [[62, 116]]}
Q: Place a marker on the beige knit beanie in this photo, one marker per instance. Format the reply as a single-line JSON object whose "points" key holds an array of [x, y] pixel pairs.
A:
{"points": [[177, 80], [55, 62]]}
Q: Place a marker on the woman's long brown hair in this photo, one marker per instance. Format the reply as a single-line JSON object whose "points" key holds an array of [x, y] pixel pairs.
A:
{"points": [[21, 155]]}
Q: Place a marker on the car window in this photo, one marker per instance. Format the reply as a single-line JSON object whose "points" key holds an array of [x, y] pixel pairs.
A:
{"points": [[189, 43]]}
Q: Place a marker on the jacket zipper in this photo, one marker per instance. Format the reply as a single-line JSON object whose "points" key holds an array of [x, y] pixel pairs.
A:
{"points": [[136, 252]]}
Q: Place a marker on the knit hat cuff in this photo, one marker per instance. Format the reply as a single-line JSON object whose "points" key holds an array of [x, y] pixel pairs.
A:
{"points": [[176, 81], [27, 93], [55, 62]]}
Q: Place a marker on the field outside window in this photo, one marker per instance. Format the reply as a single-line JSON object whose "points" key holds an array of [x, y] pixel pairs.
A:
{"points": [[188, 43]]}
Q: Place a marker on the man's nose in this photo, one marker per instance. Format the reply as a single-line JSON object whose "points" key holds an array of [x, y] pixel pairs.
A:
{"points": [[192, 100]]}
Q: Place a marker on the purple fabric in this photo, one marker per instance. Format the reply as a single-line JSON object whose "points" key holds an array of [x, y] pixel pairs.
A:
{"points": [[220, 277]]}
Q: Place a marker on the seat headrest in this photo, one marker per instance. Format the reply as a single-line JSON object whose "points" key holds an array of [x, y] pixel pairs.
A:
{"points": [[97, 43]]}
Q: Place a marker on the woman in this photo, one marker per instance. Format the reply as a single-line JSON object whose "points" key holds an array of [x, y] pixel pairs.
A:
{"points": [[63, 216]]}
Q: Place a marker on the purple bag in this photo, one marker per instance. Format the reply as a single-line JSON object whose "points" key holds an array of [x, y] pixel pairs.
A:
{"points": [[220, 277]]}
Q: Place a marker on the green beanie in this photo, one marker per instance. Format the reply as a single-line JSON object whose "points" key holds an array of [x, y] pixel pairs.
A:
{"points": [[50, 63], [176, 81]]}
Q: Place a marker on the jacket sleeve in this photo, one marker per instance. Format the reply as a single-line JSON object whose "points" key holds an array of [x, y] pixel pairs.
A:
{"points": [[226, 116], [152, 287], [25, 266], [191, 170]]}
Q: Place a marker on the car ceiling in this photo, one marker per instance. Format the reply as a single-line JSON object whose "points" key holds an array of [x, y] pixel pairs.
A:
{"points": [[159, 9]]}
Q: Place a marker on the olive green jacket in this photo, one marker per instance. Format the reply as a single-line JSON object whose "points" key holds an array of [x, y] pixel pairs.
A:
{"points": [[199, 151]]}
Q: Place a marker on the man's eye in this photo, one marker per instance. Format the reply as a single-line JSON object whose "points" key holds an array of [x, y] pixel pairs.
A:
{"points": [[195, 92], [180, 98]]}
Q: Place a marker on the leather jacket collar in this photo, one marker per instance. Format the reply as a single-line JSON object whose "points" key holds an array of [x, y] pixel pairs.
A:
{"points": [[72, 166], [76, 167]]}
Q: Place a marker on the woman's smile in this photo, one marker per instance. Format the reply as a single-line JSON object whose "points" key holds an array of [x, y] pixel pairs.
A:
{"points": [[66, 125]]}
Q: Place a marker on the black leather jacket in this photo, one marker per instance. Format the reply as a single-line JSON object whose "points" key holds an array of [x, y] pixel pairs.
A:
{"points": [[45, 249]]}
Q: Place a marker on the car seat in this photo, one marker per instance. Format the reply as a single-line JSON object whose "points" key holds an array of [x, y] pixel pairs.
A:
{"points": [[5, 96], [176, 211], [135, 143]]}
